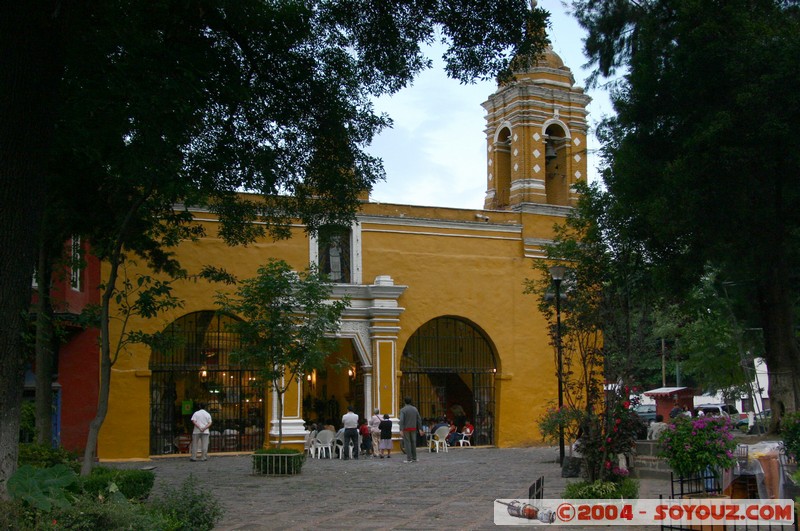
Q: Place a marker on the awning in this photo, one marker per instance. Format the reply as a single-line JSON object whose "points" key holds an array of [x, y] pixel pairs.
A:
{"points": [[666, 392]]}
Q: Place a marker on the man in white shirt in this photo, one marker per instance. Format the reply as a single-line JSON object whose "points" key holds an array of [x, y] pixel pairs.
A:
{"points": [[350, 424], [202, 423]]}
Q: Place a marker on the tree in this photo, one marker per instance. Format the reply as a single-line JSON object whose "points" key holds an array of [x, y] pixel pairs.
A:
{"points": [[287, 327], [145, 105], [703, 152], [606, 328], [29, 71]]}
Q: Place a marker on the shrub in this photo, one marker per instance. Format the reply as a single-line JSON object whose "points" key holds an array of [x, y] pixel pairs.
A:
{"points": [[690, 446], [554, 419], [91, 513], [44, 456], [42, 488], [16, 515], [790, 433], [608, 434], [627, 488], [289, 465], [133, 484], [27, 422], [188, 507]]}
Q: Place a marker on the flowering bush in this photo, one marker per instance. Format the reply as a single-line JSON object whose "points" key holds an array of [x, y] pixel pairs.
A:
{"points": [[607, 436], [690, 445]]}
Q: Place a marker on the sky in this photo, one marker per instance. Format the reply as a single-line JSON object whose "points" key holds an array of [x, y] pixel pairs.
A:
{"points": [[435, 153]]}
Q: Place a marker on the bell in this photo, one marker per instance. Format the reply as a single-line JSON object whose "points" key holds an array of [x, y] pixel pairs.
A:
{"points": [[550, 152]]}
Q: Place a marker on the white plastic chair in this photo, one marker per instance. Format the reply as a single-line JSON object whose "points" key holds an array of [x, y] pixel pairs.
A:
{"points": [[338, 446], [308, 442], [466, 435], [322, 444], [440, 438]]}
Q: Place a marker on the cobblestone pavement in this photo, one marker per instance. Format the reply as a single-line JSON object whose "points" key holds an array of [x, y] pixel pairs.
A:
{"points": [[453, 490]]}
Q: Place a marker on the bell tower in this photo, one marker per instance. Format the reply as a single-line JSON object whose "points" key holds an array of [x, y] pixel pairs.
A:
{"points": [[536, 137]]}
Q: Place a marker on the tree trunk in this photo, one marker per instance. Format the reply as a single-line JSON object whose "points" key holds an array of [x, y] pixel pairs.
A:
{"points": [[29, 71], [90, 452], [780, 345], [17, 252], [44, 348]]}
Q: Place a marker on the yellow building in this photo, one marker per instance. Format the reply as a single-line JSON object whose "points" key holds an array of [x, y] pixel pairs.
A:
{"points": [[437, 306]]}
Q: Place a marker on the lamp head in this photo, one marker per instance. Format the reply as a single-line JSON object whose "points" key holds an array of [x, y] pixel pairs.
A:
{"points": [[557, 272]]}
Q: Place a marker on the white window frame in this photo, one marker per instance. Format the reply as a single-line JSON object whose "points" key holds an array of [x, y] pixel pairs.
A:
{"points": [[355, 252], [75, 272]]}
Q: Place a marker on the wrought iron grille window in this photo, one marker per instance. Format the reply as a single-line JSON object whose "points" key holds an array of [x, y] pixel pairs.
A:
{"points": [[448, 362], [196, 368]]}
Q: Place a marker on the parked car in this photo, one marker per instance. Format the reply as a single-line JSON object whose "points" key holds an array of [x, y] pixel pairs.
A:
{"points": [[646, 412], [719, 410]]}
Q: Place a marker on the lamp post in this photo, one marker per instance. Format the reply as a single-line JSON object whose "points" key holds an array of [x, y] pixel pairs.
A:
{"points": [[557, 274]]}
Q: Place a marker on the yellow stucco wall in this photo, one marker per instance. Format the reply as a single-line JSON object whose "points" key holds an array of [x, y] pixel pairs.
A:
{"points": [[465, 263], [452, 265]]}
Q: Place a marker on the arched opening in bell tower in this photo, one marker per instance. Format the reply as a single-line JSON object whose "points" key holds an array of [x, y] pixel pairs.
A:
{"points": [[556, 185], [502, 168]]}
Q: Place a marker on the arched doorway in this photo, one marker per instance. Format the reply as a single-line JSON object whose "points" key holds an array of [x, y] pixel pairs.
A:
{"points": [[447, 362], [339, 383], [195, 367]]}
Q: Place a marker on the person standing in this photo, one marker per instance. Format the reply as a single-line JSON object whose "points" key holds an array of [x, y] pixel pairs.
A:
{"points": [[385, 429], [655, 428], [202, 423], [374, 428], [350, 424], [410, 426]]}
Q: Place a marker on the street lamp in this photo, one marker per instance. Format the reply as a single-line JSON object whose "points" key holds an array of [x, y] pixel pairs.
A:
{"points": [[557, 273]]}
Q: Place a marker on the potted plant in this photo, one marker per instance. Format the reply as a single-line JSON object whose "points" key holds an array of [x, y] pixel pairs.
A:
{"points": [[694, 446], [278, 462]]}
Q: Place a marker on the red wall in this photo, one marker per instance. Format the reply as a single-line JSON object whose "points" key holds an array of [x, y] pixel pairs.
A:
{"points": [[78, 355], [78, 367]]}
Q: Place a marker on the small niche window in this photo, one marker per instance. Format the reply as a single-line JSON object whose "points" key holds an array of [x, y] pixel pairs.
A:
{"points": [[335, 254], [76, 261]]}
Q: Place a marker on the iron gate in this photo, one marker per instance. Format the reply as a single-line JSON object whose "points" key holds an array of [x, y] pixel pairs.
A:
{"points": [[449, 362], [196, 369]]}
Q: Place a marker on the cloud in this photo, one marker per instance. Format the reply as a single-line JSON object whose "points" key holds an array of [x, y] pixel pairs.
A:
{"points": [[435, 155]]}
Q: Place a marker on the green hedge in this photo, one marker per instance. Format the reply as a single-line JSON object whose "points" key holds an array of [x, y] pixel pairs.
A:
{"points": [[133, 484], [43, 456], [44, 499], [287, 462], [583, 490], [790, 433]]}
